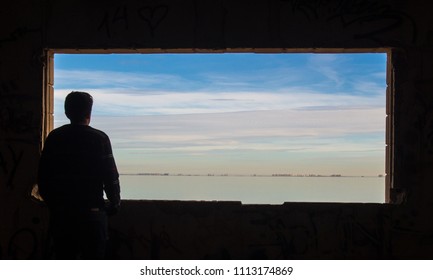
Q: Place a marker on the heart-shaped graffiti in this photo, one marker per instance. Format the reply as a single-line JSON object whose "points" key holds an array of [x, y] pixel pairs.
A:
{"points": [[153, 16]]}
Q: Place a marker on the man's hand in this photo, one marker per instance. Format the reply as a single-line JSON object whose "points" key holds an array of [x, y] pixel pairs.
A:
{"points": [[111, 208]]}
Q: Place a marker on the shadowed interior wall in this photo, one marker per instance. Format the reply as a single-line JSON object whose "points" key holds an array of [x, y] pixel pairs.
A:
{"points": [[197, 230]]}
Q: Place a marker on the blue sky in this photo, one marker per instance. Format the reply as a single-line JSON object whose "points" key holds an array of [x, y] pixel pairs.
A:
{"points": [[235, 113]]}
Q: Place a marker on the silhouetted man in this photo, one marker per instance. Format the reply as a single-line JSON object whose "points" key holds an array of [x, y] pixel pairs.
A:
{"points": [[75, 169]]}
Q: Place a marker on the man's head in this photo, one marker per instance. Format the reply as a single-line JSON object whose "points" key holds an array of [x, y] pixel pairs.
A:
{"points": [[78, 106]]}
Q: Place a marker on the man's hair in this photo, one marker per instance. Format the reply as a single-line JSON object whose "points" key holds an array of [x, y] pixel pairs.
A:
{"points": [[78, 106]]}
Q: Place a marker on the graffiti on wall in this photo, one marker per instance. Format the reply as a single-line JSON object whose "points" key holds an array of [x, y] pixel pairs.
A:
{"points": [[23, 244], [17, 34], [18, 125], [9, 163], [366, 19], [266, 233], [374, 19], [122, 16], [311, 234], [15, 120], [8, 87], [14, 116]]}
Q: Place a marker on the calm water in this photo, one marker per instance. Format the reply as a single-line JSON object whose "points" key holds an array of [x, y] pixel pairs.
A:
{"points": [[252, 190]]}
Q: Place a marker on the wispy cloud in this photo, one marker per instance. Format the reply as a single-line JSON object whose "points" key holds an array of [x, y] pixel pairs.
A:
{"points": [[325, 130], [118, 79], [136, 102], [328, 65]]}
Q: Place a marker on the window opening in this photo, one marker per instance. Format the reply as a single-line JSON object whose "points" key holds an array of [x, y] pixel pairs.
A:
{"points": [[256, 128]]}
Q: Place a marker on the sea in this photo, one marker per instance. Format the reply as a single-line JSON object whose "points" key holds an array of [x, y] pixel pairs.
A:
{"points": [[253, 189]]}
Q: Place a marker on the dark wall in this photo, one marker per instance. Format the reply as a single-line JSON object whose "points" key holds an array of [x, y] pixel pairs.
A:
{"points": [[196, 230]]}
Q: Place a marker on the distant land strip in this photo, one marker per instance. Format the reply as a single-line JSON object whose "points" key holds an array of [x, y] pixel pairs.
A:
{"points": [[242, 175]]}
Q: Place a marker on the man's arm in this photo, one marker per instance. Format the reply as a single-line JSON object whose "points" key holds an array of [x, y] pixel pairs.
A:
{"points": [[110, 178]]}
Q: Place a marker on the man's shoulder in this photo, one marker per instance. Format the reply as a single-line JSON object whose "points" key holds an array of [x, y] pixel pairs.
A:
{"points": [[96, 132], [59, 130], [69, 130]]}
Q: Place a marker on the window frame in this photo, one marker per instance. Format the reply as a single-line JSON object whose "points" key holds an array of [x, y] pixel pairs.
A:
{"points": [[47, 110]]}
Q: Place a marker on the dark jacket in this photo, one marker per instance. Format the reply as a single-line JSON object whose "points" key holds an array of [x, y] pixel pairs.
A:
{"points": [[75, 169]]}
